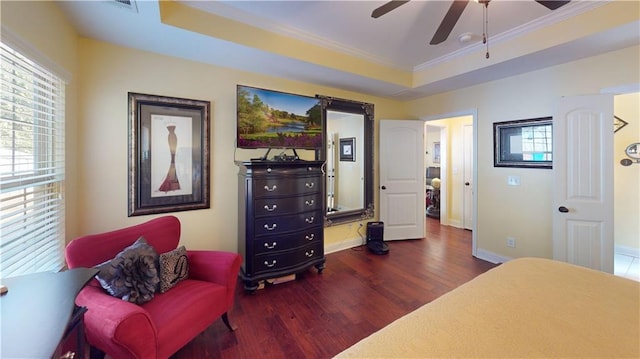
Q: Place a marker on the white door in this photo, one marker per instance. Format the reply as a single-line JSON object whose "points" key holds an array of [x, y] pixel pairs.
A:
{"points": [[402, 179], [467, 206], [583, 174]]}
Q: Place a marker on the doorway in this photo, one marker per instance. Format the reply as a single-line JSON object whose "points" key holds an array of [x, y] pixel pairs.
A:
{"points": [[454, 135]]}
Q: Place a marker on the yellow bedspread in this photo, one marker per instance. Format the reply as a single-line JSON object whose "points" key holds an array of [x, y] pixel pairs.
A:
{"points": [[527, 307]]}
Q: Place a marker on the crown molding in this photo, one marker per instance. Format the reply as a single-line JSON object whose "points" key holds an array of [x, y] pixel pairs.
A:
{"points": [[576, 9], [233, 13]]}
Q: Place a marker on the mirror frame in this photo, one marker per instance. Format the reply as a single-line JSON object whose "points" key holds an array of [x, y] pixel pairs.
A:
{"points": [[367, 110]]}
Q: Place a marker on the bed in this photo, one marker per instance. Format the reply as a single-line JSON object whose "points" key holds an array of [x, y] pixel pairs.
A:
{"points": [[528, 307]]}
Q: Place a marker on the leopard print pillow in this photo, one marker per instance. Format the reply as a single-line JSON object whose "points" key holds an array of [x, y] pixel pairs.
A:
{"points": [[174, 267]]}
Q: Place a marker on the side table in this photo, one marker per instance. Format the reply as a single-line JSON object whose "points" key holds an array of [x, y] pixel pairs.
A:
{"points": [[38, 312]]}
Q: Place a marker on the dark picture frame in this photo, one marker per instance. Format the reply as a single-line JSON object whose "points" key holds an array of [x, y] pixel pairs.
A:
{"points": [[348, 149], [168, 154], [524, 143]]}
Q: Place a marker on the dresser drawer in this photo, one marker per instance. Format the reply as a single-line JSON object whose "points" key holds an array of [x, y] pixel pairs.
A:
{"points": [[271, 244], [279, 206], [279, 169], [279, 187], [283, 260], [268, 226]]}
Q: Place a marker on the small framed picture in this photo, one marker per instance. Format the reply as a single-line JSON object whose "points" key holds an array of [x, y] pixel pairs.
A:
{"points": [[348, 149]]}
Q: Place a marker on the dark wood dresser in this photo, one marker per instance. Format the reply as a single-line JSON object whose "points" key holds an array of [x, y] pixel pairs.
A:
{"points": [[281, 216]]}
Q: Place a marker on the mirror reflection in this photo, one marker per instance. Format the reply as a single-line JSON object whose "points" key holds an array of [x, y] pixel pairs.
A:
{"points": [[348, 154], [344, 161]]}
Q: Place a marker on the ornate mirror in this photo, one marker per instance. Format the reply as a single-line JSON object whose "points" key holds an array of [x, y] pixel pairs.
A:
{"points": [[349, 160]]}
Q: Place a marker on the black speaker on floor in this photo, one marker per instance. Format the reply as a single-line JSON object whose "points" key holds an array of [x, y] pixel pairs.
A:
{"points": [[375, 238]]}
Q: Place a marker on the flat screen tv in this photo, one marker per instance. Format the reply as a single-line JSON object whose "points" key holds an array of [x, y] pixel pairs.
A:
{"points": [[272, 119]]}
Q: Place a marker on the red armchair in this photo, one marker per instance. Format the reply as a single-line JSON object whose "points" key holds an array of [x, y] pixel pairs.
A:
{"points": [[160, 327]]}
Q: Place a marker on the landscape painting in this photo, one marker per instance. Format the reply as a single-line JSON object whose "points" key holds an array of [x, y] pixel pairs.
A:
{"points": [[273, 119]]}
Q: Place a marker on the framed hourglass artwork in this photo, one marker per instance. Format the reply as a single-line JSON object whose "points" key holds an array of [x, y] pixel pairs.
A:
{"points": [[168, 154]]}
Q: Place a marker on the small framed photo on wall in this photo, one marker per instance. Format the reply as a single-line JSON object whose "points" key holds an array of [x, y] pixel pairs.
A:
{"points": [[348, 149]]}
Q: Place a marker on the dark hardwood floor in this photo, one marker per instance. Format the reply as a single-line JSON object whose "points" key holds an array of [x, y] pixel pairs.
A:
{"points": [[319, 315]]}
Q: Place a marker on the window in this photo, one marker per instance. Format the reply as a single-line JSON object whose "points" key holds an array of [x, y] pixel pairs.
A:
{"points": [[31, 167]]}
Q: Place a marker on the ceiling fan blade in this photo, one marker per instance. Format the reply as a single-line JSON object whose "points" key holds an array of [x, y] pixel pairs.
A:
{"points": [[449, 21], [553, 4], [391, 5]]}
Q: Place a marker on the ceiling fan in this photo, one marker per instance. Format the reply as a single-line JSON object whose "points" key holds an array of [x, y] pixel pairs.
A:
{"points": [[455, 11]]}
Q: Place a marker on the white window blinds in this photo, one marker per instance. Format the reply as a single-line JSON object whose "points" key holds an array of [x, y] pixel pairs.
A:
{"points": [[31, 167]]}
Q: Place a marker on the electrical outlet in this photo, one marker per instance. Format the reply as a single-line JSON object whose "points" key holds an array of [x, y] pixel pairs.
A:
{"points": [[511, 242]]}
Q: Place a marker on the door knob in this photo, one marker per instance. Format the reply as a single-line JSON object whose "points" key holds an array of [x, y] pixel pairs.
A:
{"points": [[466, 183], [563, 209], [383, 187]]}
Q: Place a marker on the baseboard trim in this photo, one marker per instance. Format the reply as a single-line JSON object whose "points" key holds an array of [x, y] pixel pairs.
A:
{"points": [[488, 256], [342, 245], [455, 223], [483, 254], [627, 251]]}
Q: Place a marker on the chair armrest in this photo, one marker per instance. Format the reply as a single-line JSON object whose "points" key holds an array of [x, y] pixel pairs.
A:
{"points": [[216, 267], [117, 327]]}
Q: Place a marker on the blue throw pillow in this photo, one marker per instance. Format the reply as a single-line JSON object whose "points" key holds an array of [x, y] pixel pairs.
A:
{"points": [[133, 274]]}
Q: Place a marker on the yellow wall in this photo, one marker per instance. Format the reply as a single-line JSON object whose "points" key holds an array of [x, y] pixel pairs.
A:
{"points": [[102, 74], [107, 73], [627, 179], [524, 212]]}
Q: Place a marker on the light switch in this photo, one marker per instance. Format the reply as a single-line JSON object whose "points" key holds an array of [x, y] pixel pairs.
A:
{"points": [[513, 180]]}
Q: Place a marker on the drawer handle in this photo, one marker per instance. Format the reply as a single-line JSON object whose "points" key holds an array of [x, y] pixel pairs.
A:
{"points": [[273, 208], [309, 254], [310, 203], [273, 226], [272, 246], [310, 185], [309, 220], [309, 169], [273, 188], [273, 263], [311, 237]]}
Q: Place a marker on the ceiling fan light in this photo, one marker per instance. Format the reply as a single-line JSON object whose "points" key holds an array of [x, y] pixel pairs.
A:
{"points": [[465, 37]]}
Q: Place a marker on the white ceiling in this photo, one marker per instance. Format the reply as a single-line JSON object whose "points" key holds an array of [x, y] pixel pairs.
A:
{"points": [[399, 39]]}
